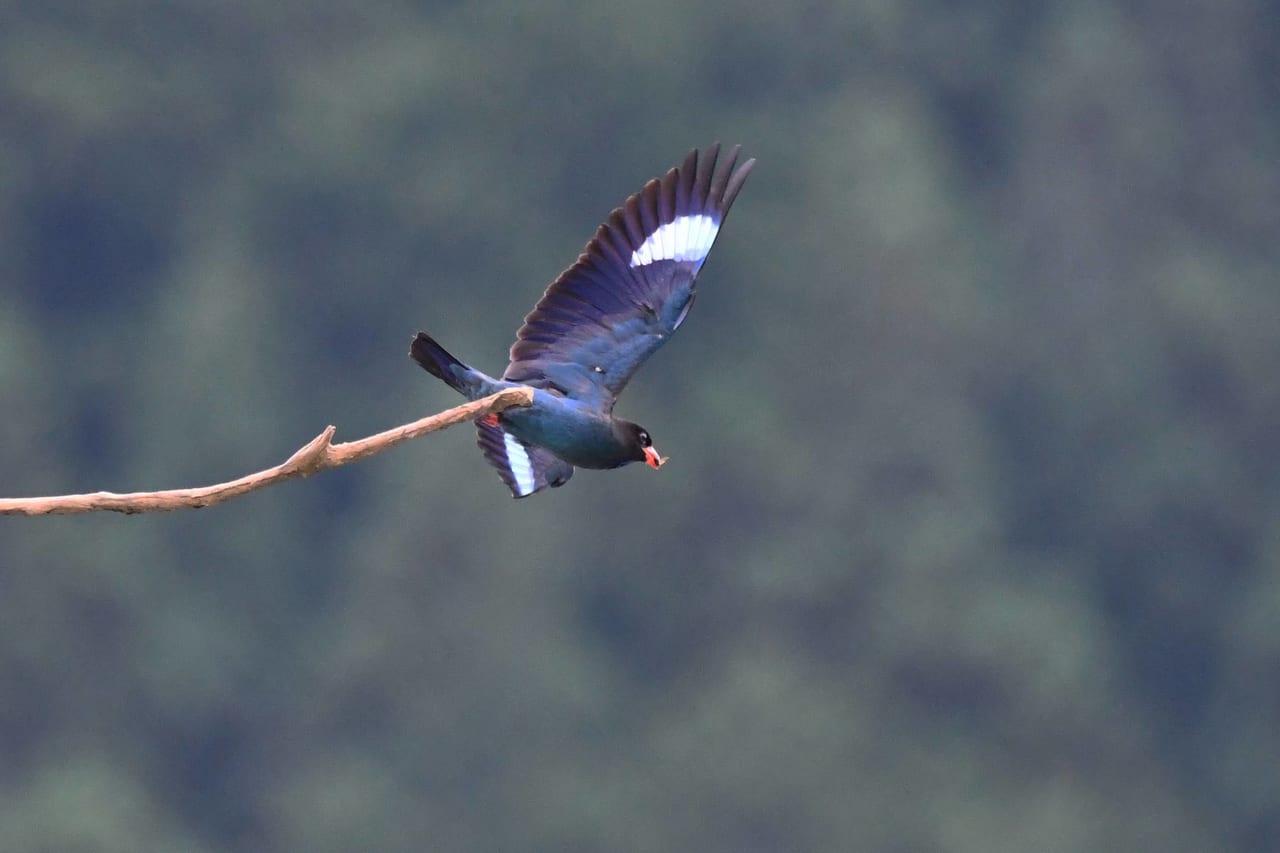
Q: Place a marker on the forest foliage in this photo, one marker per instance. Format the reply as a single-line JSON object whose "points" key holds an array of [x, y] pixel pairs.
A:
{"points": [[969, 539]]}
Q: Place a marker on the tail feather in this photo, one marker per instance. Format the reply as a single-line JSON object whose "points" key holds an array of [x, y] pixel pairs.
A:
{"points": [[437, 361]]}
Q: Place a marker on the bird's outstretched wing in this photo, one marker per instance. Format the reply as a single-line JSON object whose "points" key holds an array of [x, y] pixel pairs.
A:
{"points": [[631, 287], [525, 468]]}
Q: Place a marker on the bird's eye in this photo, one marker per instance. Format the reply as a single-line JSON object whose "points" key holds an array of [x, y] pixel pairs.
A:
{"points": [[645, 441]]}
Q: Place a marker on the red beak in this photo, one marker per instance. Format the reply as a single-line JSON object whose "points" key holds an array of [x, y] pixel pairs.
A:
{"points": [[652, 459]]}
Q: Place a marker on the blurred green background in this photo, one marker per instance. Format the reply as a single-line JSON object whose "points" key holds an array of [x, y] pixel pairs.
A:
{"points": [[970, 540]]}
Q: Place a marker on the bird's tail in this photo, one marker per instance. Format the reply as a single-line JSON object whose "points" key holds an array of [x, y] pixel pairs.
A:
{"points": [[437, 361]]}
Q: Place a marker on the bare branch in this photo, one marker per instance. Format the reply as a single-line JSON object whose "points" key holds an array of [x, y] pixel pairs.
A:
{"points": [[317, 455]]}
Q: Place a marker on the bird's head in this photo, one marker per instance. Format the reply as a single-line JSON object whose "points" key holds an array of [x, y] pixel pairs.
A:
{"points": [[639, 445]]}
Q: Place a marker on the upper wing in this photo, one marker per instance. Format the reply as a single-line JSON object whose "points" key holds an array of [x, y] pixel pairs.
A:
{"points": [[631, 287]]}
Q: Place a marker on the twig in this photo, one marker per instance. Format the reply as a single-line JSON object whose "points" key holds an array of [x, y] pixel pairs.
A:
{"points": [[317, 455]]}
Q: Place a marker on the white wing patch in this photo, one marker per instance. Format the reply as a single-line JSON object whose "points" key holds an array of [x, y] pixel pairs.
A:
{"points": [[520, 465], [685, 238]]}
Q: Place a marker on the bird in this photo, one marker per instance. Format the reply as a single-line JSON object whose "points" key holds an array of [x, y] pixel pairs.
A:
{"points": [[593, 328]]}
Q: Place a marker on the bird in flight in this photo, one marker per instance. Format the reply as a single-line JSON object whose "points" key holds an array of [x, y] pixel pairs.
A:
{"points": [[596, 324]]}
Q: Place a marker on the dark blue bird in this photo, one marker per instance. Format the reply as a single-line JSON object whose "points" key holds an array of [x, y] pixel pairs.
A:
{"points": [[593, 328]]}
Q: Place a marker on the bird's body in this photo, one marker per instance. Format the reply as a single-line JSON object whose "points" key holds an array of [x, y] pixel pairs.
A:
{"points": [[594, 327], [571, 430]]}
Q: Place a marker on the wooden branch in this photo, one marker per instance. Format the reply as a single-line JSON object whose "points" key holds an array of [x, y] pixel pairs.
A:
{"points": [[317, 455]]}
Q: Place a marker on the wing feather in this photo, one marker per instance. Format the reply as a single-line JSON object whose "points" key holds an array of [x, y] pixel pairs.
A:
{"points": [[525, 468], [633, 284]]}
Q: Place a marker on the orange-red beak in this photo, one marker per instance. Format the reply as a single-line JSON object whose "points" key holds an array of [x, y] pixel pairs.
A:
{"points": [[652, 459]]}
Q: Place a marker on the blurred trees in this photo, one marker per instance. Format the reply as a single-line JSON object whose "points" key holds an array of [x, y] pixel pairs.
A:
{"points": [[969, 541]]}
